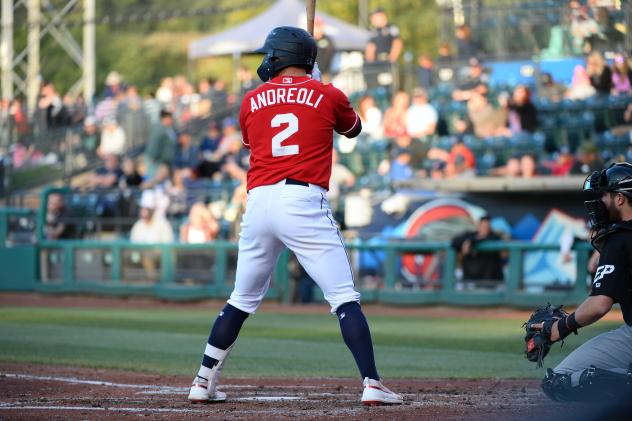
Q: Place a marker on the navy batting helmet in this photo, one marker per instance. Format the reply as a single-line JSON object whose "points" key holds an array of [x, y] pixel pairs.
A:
{"points": [[286, 46]]}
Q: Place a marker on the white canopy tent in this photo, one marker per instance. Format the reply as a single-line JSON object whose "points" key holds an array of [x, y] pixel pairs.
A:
{"points": [[250, 35]]}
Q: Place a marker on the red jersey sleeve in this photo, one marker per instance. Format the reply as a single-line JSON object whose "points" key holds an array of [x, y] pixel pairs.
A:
{"points": [[242, 123], [346, 117]]}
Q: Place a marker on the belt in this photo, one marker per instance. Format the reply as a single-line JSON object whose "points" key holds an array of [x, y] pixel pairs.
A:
{"points": [[296, 182]]}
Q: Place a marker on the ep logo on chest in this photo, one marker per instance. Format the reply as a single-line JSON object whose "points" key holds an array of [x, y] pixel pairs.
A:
{"points": [[601, 272]]}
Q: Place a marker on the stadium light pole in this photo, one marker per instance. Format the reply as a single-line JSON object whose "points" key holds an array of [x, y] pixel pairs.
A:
{"points": [[89, 67], [6, 50], [33, 67]]}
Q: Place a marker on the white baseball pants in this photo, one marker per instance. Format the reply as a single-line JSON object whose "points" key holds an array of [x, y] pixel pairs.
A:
{"points": [[299, 218]]}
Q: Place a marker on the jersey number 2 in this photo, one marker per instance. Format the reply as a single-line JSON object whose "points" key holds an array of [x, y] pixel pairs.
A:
{"points": [[292, 127]]}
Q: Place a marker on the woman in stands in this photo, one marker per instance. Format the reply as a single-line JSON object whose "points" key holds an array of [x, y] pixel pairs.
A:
{"points": [[599, 73], [395, 116], [621, 76], [371, 117]]}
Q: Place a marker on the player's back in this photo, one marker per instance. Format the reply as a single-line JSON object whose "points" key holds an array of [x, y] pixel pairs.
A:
{"points": [[288, 125]]}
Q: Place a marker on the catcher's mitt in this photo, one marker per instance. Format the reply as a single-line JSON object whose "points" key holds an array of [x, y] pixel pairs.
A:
{"points": [[538, 340]]}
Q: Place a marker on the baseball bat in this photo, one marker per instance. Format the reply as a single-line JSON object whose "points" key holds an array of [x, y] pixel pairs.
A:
{"points": [[310, 7]]}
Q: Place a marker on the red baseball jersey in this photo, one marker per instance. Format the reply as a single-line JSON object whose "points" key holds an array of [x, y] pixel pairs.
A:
{"points": [[288, 124]]}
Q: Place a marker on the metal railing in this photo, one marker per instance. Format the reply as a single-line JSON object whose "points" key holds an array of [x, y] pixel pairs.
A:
{"points": [[192, 271]]}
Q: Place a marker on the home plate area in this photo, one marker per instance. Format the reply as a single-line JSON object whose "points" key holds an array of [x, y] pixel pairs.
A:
{"points": [[42, 392]]}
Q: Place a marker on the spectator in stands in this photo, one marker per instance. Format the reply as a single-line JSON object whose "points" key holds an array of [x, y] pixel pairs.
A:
{"points": [[549, 89], [76, 109], [461, 161], [113, 140], [165, 93], [113, 84], [204, 90], [187, 154], [581, 87], [152, 107], [383, 49], [161, 145], [621, 76], [341, 179], [444, 53], [466, 47], [106, 109], [130, 177], [522, 114], [406, 156], [627, 114], [395, 116], [57, 226], [479, 266], [599, 73], [19, 117], [582, 27], [236, 160], [607, 37], [421, 118], [50, 112], [487, 120], [563, 164], [247, 80], [588, 160], [219, 97], [90, 136], [326, 48], [371, 117], [201, 226], [475, 81], [511, 169], [151, 227], [210, 160], [528, 166], [108, 175], [6, 124], [132, 117], [425, 72], [236, 209]]}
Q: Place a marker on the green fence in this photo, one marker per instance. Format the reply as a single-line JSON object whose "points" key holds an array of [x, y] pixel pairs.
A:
{"points": [[195, 271]]}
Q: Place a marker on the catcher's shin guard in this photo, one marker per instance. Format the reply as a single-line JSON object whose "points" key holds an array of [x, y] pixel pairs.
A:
{"points": [[558, 386], [595, 385]]}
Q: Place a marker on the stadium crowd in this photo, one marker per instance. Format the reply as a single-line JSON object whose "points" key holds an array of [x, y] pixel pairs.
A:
{"points": [[182, 141]]}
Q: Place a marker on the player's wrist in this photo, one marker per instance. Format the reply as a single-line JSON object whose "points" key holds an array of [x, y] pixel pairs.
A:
{"points": [[567, 325]]}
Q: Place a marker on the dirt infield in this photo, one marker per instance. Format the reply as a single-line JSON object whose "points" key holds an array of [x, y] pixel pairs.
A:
{"points": [[45, 392]]}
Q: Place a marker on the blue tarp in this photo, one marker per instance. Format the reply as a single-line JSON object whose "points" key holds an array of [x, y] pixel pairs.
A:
{"points": [[250, 35]]}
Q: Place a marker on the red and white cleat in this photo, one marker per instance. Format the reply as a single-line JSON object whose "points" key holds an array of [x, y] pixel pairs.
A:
{"points": [[375, 393]]}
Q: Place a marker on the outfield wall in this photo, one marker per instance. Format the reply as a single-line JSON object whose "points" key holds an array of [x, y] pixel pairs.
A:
{"points": [[197, 271]]}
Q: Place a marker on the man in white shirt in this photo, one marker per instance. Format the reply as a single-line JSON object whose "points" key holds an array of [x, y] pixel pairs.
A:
{"points": [[421, 117], [152, 227]]}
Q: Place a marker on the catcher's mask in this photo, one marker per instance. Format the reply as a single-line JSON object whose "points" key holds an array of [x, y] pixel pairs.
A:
{"points": [[617, 178], [286, 46]]}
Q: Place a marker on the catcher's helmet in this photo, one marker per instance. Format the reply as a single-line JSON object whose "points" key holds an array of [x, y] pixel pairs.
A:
{"points": [[286, 46], [617, 178]]}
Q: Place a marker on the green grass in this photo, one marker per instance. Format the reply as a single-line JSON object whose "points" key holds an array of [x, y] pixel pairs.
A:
{"points": [[271, 344]]}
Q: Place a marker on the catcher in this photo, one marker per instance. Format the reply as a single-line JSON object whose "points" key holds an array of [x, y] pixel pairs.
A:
{"points": [[600, 369]]}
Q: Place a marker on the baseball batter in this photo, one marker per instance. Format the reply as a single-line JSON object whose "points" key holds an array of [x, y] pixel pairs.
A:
{"points": [[288, 124]]}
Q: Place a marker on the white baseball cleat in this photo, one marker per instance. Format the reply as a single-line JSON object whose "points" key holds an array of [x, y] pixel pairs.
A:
{"points": [[375, 393], [200, 393]]}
